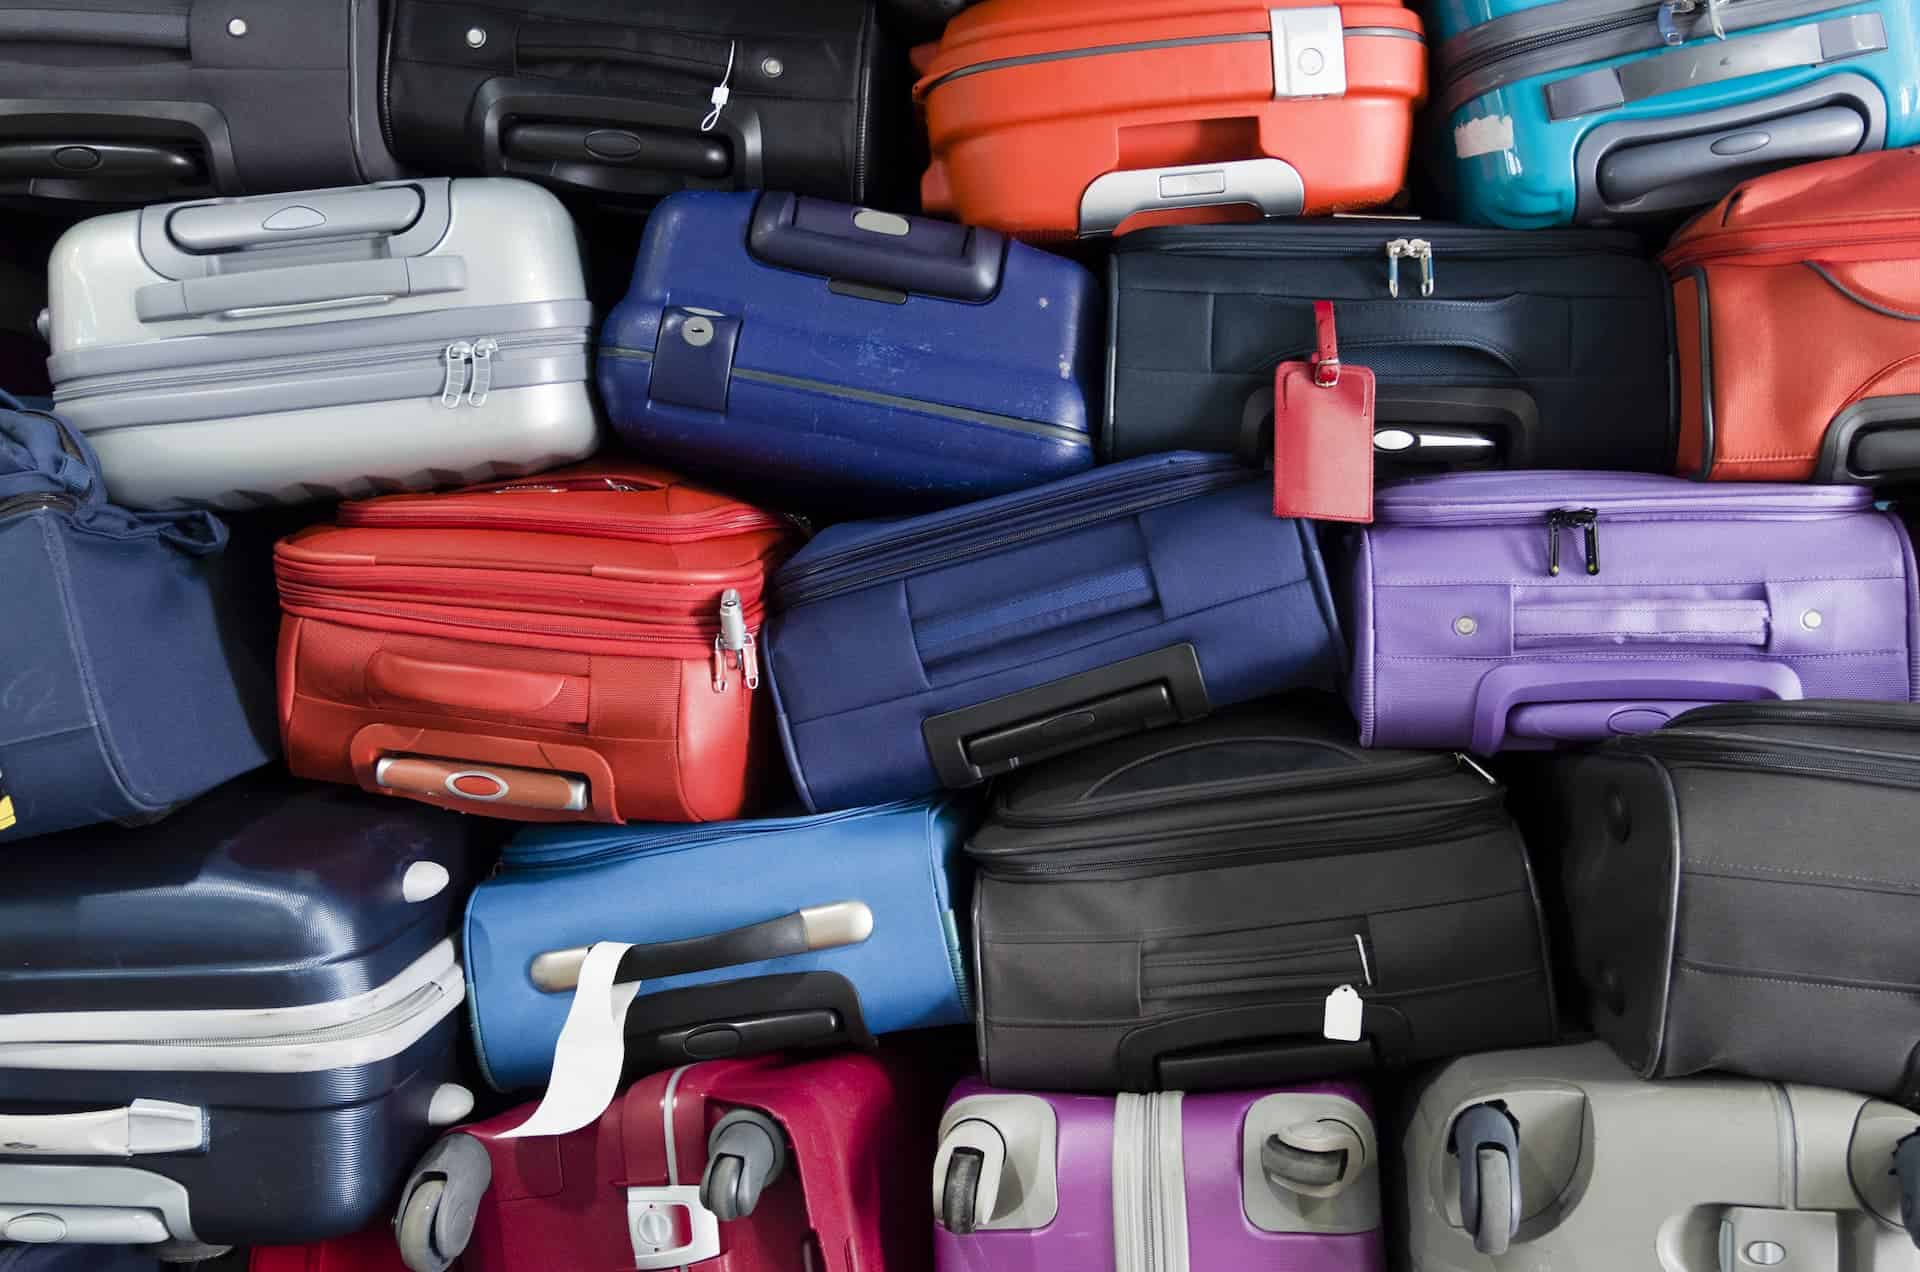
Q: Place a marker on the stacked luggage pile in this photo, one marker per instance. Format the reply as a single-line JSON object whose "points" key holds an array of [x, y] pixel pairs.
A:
{"points": [[591, 681]]}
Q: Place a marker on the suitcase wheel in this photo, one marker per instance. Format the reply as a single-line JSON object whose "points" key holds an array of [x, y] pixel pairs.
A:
{"points": [[1290, 1164], [1496, 1180], [413, 1230], [1906, 1165], [745, 1153], [961, 1194], [442, 1199]]}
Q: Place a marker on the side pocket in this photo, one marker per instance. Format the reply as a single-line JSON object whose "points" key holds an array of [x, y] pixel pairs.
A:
{"points": [[1296, 961]]}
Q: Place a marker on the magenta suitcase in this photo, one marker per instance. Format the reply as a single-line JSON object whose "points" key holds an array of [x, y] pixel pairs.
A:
{"points": [[1282, 1180]]}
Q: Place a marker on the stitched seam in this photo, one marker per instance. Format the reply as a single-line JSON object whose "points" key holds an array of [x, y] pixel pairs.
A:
{"points": [[1605, 656], [1794, 984], [1542, 580], [1811, 874]]}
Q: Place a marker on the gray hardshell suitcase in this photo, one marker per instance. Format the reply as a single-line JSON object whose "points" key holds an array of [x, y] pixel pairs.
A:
{"points": [[236, 1026], [1559, 1158], [325, 344]]}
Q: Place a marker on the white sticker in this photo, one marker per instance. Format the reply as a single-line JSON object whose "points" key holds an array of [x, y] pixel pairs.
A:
{"points": [[1342, 1020], [592, 1049], [1487, 135]]}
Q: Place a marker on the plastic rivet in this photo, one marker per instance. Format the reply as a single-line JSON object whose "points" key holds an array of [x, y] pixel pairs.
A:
{"points": [[476, 36], [773, 68], [423, 881], [451, 1103], [1812, 619], [1312, 61], [1766, 1253], [1465, 625], [237, 27]]}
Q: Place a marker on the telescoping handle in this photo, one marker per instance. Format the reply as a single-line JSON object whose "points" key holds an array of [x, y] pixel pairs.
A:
{"points": [[815, 928], [141, 1128]]}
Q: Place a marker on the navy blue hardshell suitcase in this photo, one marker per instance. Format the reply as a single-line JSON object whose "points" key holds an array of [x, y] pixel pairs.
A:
{"points": [[944, 649], [834, 350], [127, 684], [234, 1027]]}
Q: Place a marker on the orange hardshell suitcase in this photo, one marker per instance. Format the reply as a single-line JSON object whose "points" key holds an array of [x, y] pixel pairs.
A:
{"points": [[1059, 117]]}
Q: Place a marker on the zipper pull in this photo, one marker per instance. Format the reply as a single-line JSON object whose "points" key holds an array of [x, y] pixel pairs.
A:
{"points": [[1412, 249], [1396, 248], [1587, 520], [1468, 762], [483, 351], [1664, 18], [734, 644], [457, 354]]}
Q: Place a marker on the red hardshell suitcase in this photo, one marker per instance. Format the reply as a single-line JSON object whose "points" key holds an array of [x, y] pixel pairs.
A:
{"points": [[672, 1175], [370, 1251]]}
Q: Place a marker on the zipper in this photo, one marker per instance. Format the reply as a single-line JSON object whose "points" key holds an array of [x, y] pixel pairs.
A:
{"points": [[1364, 241], [1735, 750], [1584, 519], [1733, 504], [469, 377], [1791, 242], [1148, 1168], [470, 510], [21, 505], [1194, 974], [574, 852], [993, 525], [418, 1003], [734, 647], [1309, 838], [1836, 713]]}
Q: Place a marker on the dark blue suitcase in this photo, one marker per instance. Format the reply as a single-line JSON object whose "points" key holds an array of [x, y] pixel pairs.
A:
{"points": [[838, 351], [944, 649], [236, 1027], [126, 684]]}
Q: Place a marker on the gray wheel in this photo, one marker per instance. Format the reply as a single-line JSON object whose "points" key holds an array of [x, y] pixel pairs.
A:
{"points": [[1496, 1202], [721, 1191], [414, 1229], [1288, 1163], [961, 1194]]}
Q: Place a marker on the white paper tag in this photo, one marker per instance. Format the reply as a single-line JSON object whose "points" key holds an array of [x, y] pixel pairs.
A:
{"points": [[1342, 1020], [592, 1049]]}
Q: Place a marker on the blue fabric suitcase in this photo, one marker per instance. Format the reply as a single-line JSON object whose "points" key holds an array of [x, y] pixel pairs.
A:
{"points": [[748, 936], [238, 1026], [838, 351], [945, 649], [126, 684], [1594, 111]]}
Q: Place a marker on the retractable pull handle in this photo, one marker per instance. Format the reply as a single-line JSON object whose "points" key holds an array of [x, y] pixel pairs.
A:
{"points": [[1486, 1139]]}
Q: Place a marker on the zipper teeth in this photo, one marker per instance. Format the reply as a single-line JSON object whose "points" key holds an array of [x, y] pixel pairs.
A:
{"points": [[1762, 757], [416, 1003], [1367, 244], [1397, 513], [517, 861], [1548, 39], [666, 530], [1361, 774], [1789, 239], [695, 636], [19, 504]]}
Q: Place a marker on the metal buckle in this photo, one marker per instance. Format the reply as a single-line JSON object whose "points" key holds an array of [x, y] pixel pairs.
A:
{"points": [[1309, 52], [1326, 372], [651, 1227]]}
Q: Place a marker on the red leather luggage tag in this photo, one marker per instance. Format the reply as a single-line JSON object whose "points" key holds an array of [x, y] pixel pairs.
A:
{"points": [[1323, 433]]}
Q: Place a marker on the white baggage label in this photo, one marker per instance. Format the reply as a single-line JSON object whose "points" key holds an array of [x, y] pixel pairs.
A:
{"points": [[1342, 1020]]}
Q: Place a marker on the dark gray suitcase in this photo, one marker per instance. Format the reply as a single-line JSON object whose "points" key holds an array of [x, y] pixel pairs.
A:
{"points": [[1174, 910], [145, 101], [233, 1027], [1745, 893]]}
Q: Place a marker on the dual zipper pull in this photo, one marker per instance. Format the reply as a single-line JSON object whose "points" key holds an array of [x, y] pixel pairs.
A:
{"points": [[1411, 249], [734, 645], [469, 372], [1585, 519]]}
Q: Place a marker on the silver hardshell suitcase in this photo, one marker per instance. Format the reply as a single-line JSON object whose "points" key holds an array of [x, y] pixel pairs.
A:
{"points": [[325, 344]]}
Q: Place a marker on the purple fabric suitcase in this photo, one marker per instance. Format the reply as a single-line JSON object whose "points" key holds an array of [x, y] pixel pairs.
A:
{"points": [[1520, 610], [1283, 1180]]}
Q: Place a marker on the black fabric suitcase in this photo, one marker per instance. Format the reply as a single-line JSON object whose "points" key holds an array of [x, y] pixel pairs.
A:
{"points": [[616, 101], [236, 1026], [1174, 910], [1744, 893], [1491, 348], [147, 101]]}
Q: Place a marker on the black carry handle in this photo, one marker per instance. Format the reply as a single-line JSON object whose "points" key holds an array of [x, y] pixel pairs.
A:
{"points": [[970, 745], [99, 161], [1887, 450], [1875, 439], [819, 927], [757, 1014], [668, 150], [1698, 169], [1906, 1164], [880, 249], [1423, 425], [1263, 1045], [1271, 1062]]}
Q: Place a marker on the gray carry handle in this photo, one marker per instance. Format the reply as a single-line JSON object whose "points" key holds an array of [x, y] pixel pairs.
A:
{"points": [[1906, 1164], [205, 228], [440, 1202], [97, 161], [881, 249], [301, 287], [745, 1153], [1486, 1139], [819, 927], [1271, 185], [1719, 160]]}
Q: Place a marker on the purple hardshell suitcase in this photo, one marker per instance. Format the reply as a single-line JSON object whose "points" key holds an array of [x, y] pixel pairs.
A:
{"points": [[1285, 1180], [1520, 610]]}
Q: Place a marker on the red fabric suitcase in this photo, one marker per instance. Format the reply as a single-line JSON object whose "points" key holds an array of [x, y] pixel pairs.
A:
{"points": [[671, 1175], [579, 646], [372, 1251]]}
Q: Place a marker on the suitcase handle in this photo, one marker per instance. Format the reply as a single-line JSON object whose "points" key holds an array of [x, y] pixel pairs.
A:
{"points": [[1422, 425], [1271, 185], [335, 286], [502, 107], [143, 1127], [1265, 1045], [207, 228], [460, 687], [1874, 439], [820, 927], [1486, 1140], [696, 154], [1723, 159], [106, 162], [1653, 689], [881, 249]]}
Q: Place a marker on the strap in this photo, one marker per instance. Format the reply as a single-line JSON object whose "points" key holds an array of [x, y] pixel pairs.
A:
{"points": [[1326, 357]]}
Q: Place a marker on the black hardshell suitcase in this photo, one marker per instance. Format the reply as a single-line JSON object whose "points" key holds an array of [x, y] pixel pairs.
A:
{"points": [[1174, 910], [148, 101], [1491, 348], [616, 101], [236, 1026], [1744, 893]]}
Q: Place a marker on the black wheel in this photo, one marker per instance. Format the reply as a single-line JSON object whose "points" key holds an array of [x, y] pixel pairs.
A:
{"points": [[720, 1191], [959, 1197], [1289, 1163], [1496, 1202], [414, 1230]]}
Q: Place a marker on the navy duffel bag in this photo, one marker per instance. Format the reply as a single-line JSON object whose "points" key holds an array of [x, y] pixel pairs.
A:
{"points": [[124, 688]]}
